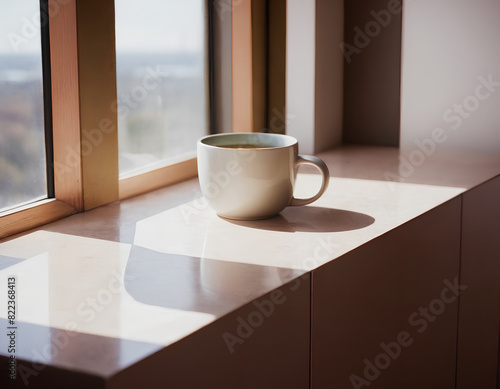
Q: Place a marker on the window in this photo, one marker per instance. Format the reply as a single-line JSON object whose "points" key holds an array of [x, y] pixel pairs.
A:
{"points": [[166, 112], [23, 154], [162, 83]]}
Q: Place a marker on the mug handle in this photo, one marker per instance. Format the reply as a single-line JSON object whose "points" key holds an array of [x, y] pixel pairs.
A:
{"points": [[321, 166]]}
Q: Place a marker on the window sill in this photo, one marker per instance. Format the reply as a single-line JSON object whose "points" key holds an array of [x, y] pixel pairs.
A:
{"points": [[33, 215], [103, 290]]}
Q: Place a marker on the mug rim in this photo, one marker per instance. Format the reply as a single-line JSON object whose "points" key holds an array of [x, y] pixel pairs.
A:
{"points": [[291, 141]]}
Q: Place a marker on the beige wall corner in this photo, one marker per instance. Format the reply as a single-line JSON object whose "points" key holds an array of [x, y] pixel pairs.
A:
{"points": [[314, 73], [329, 69], [372, 69]]}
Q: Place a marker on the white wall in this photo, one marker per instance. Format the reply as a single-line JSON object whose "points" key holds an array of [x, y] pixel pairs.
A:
{"points": [[314, 73], [300, 71], [447, 46]]}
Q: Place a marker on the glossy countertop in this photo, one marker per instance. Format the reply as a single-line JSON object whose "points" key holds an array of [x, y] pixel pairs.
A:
{"points": [[102, 290]]}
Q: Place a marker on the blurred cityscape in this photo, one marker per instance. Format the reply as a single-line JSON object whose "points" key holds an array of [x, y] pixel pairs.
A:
{"points": [[22, 144], [162, 107], [161, 85]]}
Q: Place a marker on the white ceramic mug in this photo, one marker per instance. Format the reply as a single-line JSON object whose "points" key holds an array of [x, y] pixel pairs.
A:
{"points": [[248, 176]]}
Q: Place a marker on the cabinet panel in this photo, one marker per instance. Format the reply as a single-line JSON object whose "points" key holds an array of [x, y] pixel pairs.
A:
{"points": [[478, 329], [264, 344], [385, 314]]}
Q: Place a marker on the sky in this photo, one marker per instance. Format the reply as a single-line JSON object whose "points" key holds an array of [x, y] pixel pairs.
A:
{"points": [[153, 25], [18, 33], [141, 26]]}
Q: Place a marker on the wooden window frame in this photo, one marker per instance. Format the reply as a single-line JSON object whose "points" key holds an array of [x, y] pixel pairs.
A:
{"points": [[156, 178], [85, 139], [68, 192]]}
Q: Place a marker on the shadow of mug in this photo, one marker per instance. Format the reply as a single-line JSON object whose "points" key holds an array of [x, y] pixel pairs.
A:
{"points": [[310, 219]]}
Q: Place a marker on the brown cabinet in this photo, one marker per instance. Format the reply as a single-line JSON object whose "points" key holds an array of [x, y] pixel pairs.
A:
{"points": [[417, 307], [384, 315], [479, 312]]}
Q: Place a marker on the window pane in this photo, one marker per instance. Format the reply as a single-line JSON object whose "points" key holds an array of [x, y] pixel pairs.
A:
{"points": [[22, 141], [161, 80]]}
